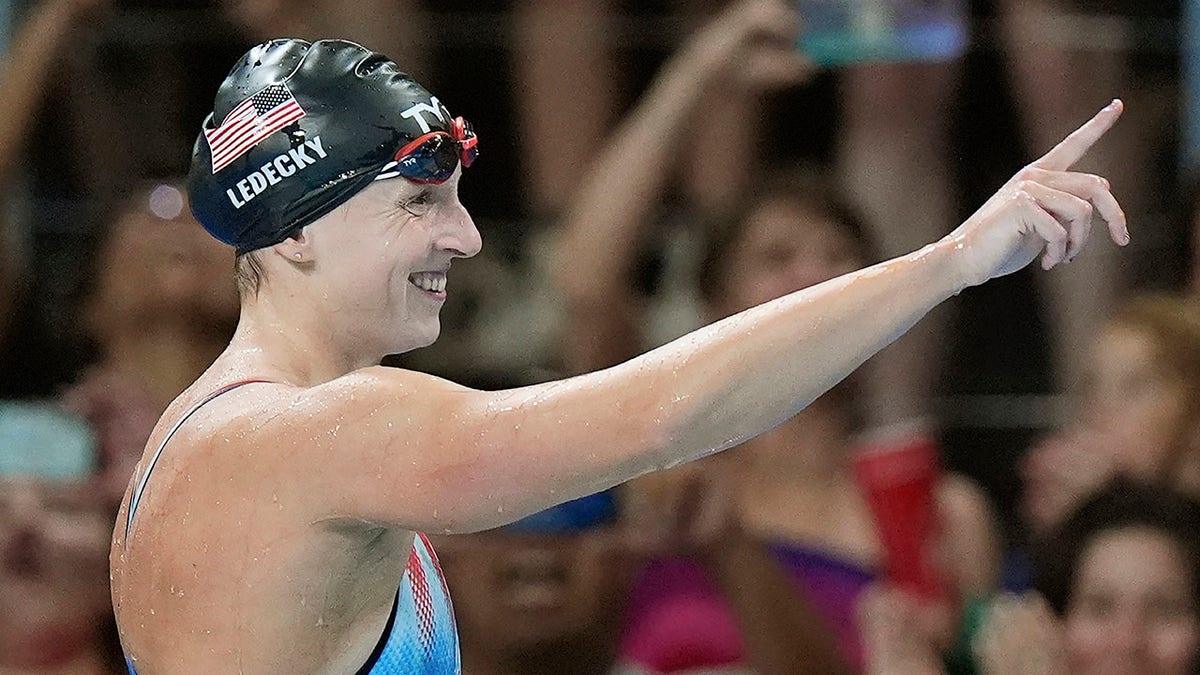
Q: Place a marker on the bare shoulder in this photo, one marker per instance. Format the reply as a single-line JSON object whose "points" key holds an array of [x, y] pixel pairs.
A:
{"points": [[323, 448]]}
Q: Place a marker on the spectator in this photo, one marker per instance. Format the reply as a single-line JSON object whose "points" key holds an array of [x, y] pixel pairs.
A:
{"points": [[801, 505], [55, 522], [1119, 585], [161, 306], [1123, 573], [543, 595], [1141, 412], [547, 594]]}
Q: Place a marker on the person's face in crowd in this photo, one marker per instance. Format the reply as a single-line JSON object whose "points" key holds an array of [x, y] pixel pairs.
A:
{"points": [[54, 538], [1132, 608], [379, 253], [160, 265], [1134, 401], [521, 593], [784, 247]]}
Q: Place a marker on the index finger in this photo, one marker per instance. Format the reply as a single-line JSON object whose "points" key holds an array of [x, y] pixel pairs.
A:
{"points": [[1064, 155]]}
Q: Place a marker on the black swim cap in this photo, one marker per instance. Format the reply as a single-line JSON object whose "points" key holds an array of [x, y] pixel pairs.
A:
{"points": [[297, 129]]}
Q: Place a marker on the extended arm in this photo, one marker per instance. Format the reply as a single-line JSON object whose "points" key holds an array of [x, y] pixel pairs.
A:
{"points": [[422, 453]]}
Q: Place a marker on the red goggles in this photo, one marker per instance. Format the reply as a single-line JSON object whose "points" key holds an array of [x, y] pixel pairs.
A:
{"points": [[433, 157]]}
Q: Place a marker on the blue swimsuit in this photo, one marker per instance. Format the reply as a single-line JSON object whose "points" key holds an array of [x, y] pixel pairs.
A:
{"points": [[420, 637]]}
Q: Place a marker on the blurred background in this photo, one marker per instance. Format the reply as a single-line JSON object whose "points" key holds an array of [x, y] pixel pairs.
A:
{"points": [[648, 166]]}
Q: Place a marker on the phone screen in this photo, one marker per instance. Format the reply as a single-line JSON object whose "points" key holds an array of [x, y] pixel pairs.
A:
{"points": [[42, 440], [842, 32]]}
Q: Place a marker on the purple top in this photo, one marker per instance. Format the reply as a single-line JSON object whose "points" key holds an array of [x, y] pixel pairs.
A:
{"points": [[677, 619]]}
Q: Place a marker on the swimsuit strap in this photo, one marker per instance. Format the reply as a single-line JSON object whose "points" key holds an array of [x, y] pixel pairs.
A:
{"points": [[141, 486]]}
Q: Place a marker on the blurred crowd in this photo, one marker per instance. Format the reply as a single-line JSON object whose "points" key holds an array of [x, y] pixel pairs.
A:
{"points": [[997, 492]]}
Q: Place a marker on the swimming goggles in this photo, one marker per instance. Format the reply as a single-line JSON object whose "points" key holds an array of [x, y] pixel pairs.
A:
{"points": [[433, 157]]}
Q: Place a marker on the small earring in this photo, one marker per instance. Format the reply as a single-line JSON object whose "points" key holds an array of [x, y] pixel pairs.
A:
{"points": [[296, 255]]}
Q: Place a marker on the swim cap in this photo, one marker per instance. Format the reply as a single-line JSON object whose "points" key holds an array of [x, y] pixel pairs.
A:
{"points": [[298, 128]]}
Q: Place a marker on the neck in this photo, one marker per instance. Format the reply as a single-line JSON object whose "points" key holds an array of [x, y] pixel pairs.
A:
{"points": [[582, 658], [164, 358], [811, 448], [290, 337]]}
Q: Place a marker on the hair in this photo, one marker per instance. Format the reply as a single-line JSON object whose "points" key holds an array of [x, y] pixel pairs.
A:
{"points": [[249, 273], [1172, 325], [810, 187], [1122, 504]]}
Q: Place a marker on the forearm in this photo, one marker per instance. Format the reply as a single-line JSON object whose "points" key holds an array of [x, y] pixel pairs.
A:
{"points": [[627, 180], [746, 374], [781, 630], [707, 391], [608, 217], [25, 69]]}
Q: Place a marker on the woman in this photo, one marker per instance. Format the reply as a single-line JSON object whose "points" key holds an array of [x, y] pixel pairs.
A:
{"points": [[1119, 593], [794, 489], [1123, 574], [1139, 416], [271, 525]]}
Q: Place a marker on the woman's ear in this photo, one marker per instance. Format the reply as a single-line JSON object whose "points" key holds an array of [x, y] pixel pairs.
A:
{"points": [[296, 249]]}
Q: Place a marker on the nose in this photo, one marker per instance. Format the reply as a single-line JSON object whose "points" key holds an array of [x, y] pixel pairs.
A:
{"points": [[459, 235]]}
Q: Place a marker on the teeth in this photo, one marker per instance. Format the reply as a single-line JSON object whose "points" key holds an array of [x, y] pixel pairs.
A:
{"points": [[435, 282]]}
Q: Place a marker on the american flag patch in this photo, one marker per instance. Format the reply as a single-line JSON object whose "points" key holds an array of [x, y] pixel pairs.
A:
{"points": [[251, 121]]}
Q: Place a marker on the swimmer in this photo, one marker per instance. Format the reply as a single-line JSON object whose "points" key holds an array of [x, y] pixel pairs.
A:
{"points": [[273, 524]]}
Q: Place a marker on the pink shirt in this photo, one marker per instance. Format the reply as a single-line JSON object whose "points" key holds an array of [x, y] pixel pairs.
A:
{"points": [[678, 621]]}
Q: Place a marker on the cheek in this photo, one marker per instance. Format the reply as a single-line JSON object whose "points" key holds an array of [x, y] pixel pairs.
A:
{"points": [[1174, 645]]}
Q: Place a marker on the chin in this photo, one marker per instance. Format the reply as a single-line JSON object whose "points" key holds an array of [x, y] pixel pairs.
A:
{"points": [[416, 336]]}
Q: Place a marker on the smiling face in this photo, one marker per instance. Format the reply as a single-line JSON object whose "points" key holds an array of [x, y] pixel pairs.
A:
{"points": [[380, 261], [1132, 608]]}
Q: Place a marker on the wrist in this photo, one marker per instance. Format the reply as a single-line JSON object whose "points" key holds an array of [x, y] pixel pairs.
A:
{"points": [[944, 261]]}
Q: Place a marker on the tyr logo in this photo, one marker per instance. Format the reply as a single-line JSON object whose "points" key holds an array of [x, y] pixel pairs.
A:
{"points": [[434, 106]]}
